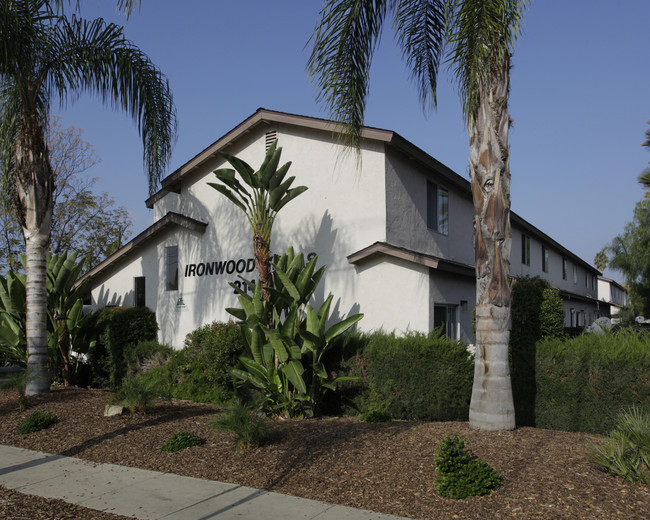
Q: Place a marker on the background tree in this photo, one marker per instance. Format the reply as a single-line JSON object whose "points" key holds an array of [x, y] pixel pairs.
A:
{"points": [[644, 178], [629, 253], [44, 57], [600, 261], [476, 36], [82, 220]]}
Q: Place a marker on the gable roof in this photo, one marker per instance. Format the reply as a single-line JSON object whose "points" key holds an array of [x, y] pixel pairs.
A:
{"points": [[263, 117], [168, 221]]}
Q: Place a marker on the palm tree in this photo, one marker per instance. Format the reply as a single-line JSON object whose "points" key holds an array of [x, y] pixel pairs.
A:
{"points": [[477, 38], [44, 57]]}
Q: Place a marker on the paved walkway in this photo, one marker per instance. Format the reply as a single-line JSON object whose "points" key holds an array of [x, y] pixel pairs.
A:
{"points": [[152, 495]]}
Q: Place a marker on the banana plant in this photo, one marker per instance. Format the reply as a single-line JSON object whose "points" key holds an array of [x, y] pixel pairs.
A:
{"points": [[69, 329], [261, 196], [69, 326], [12, 319], [299, 341]]}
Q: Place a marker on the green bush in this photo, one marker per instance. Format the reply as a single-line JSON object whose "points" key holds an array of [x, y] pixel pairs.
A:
{"points": [[39, 420], [119, 327], [536, 313], [582, 384], [180, 441], [250, 429], [138, 392], [145, 355], [418, 376], [461, 474], [626, 453], [375, 416], [201, 370]]}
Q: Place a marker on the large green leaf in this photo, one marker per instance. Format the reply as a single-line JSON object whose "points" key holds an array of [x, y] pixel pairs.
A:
{"points": [[290, 195], [293, 370], [288, 285], [339, 328], [229, 194], [243, 168], [277, 179]]}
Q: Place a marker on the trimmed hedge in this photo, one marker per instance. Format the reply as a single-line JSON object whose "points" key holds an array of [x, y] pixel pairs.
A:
{"points": [[119, 327], [536, 313], [419, 377], [585, 382]]}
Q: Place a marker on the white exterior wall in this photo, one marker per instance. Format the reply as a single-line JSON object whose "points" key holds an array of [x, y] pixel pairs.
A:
{"points": [[340, 213], [351, 203], [394, 295]]}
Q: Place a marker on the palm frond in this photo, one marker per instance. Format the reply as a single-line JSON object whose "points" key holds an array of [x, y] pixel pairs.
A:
{"points": [[96, 57], [420, 27], [481, 35], [339, 65]]}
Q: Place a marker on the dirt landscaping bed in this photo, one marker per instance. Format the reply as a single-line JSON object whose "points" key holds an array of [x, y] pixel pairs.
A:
{"points": [[384, 467]]}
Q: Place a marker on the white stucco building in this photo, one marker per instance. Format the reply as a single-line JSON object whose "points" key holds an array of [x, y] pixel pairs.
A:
{"points": [[394, 226]]}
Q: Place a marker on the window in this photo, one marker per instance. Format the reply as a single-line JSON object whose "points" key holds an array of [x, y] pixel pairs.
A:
{"points": [[139, 291], [565, 269], [525, 249], [446, 316], [171, 268], [545, 259], [575, 274], [437, 208], [586, 279]]}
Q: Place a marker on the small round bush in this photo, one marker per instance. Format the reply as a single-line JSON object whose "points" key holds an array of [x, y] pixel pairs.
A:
{"points": [[180, 441], [375, 416], [460, 473], [39, 420]]}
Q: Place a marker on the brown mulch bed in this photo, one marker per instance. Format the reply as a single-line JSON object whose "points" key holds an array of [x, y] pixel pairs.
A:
{"points": [[384, 467]]}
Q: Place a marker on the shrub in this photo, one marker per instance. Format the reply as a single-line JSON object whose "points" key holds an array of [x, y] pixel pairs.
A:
{"points": [[626, 453], [39, 420], [143, 356], [460, 473], [582, 384], [180, 441], [138, 392], [201, 370], [536, 313], [420, 377], [375, 416], [250, 429], [119, 327]]}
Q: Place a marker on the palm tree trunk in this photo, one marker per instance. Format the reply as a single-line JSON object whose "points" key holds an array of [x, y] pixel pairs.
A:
{"points": [[492, 406], [33, 178]]}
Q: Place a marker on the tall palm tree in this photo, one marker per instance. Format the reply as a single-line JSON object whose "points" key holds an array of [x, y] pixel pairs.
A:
{"points": [[44, 57], [477, 37]]}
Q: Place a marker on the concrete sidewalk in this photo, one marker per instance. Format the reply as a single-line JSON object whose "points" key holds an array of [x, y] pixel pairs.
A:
{"points": [[152, 495]]}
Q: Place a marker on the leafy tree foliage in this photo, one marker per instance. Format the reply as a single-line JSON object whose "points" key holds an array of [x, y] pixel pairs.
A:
{"points": [[82, 221], [629, 253], [644, 178]]}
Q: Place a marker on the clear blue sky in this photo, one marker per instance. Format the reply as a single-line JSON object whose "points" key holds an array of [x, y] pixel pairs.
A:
{"points": [[580, 99]]}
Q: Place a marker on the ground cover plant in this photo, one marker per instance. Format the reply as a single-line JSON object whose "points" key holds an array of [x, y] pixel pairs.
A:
{"points": [[460, 473], [180, 441], [36, 421], [250, 427], [626, 452]]}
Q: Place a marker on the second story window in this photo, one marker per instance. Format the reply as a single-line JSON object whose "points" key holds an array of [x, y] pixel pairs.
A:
{"points": [[565, 269], [437, 208], [545, 259], [575, 274], [525, 249], [171, 268]]}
